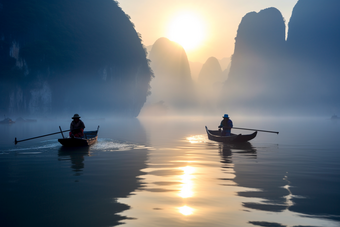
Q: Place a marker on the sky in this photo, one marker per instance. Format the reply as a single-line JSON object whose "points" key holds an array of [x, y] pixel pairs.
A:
{"points": [[205, 28]]}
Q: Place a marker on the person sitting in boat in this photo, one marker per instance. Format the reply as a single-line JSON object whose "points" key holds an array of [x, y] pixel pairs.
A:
{"points": [[77, 127], [226, 125]]}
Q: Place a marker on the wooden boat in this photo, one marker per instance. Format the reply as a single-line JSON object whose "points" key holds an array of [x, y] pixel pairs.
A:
{"points": [[90, 137], [215, 135]]}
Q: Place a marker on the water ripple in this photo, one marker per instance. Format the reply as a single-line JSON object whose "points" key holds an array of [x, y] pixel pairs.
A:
{"points": [[105, 144]]}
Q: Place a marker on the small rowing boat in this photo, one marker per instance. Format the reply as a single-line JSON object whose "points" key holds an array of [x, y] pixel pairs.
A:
{"points": [[215, 135], [90, 137]]}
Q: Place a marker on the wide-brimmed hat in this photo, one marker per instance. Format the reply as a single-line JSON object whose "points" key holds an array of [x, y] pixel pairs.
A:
{"points": [[225, 116], [75, 116]]}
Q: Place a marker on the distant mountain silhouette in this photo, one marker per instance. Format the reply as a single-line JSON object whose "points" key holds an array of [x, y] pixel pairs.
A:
{"points": [[259, 48], [209, 84], [70, 56], [225, 63], [313, 43], [195, 69], [172, 83], [301, 75], [211, 73]]}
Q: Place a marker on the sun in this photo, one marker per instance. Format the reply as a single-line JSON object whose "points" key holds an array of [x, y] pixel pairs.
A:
{"points": [[187, 29]]}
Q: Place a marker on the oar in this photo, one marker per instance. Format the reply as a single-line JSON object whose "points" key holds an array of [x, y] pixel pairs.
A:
{"points": [[256, 130], [17, 141]]}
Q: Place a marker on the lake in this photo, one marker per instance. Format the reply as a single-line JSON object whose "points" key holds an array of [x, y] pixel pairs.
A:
{"points": [[165, 172]]}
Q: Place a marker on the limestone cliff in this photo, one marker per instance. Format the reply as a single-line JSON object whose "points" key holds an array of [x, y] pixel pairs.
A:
{"points": [[172, 83], [259, 49], [70, 56]]}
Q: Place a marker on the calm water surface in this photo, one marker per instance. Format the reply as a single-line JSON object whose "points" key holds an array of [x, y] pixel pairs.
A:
{"points": [[165, 172]]}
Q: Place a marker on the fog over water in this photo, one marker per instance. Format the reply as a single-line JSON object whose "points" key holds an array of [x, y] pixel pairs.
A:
{"points": [[165, 172], [99, 65], [153, 164]]}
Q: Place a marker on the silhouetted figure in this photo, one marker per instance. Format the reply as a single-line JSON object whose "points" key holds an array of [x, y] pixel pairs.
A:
{"points": [[226, 125], [77, 127]]}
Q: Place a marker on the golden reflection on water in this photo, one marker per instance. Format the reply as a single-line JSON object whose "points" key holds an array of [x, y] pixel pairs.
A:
{"points": [[196, 139], [204, 183], [185, 210], [186, 188], [187, 183]]}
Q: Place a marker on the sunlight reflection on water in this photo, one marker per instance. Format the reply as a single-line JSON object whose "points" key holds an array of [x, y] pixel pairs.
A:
{"points": [[177, 177], [197, 139], [185, 210], [219, 183], [187, 183]]}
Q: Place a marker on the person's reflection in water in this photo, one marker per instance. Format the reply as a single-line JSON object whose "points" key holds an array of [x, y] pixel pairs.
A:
{"points": [[228, 167], [76, 156], [226, 150], [225, 153]]}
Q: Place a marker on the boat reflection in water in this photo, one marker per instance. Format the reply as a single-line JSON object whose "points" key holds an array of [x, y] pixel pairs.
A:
{"points": [[76, 156], [226, 150]]}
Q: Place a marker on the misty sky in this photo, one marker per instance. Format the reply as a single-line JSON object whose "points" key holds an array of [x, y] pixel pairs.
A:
{"points": [[216, 20]]}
